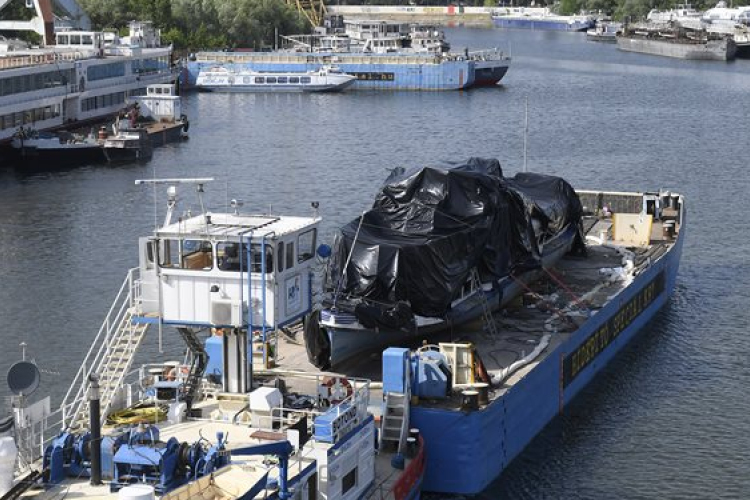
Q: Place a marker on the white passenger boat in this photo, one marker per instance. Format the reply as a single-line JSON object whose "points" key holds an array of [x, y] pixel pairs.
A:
{"points": [[326, 79], [78, 77]]}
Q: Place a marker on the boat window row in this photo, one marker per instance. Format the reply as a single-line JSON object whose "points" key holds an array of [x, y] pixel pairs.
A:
{"points": [[36, 81], [282, 80], [150, 65], [103, 101], [29, 117], [233, 256], [104, 71], [75, 39]]}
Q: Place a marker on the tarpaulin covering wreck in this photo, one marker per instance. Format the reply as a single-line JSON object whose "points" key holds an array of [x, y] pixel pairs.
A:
{"points": [[430, 228]]}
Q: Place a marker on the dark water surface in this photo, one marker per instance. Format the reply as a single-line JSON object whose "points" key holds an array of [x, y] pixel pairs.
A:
{"points": [[669, 418]]}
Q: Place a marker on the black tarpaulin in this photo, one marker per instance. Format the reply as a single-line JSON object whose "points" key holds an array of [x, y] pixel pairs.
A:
{"points": [[430, 227]]}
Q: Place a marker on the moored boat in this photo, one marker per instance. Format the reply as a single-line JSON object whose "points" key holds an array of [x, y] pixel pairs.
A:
{"points": [[440, 247], [160, 113], [325, 79], [79, 77], [376, 71], [127, 144], [604, 32], [679, 43], [234, 419], [34, 149], [481, 393], [538, 18]]}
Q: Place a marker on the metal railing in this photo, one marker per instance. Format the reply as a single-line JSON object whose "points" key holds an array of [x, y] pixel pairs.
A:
{"points": [[116, 322]]}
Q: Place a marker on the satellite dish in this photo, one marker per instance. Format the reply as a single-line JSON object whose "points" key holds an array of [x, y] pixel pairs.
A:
{"points": [[23, 378]]}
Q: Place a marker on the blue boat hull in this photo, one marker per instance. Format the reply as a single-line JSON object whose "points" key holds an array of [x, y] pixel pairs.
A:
{"points": [[541, 24], [468, 450], [449, 75]]}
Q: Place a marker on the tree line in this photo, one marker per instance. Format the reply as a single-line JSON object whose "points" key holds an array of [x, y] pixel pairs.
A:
{"points": [[216, 24], [203, 24]]}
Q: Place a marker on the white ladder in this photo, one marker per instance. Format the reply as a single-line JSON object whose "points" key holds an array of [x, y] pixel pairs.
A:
{"points": [[395, 424], [489, 321], [110, 357]]}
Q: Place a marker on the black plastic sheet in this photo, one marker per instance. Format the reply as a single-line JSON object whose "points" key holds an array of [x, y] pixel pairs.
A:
{"points": [[429, 228]]}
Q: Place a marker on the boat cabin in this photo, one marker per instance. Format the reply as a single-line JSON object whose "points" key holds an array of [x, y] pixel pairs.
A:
{"points": [[224, 270], [160, 103]]}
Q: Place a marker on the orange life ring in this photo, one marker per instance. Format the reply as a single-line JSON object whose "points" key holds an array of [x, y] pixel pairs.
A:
{"points": [[338, 389]]}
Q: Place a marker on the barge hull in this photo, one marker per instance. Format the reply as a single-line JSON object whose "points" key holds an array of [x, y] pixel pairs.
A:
{"points": [[714, 50], [468, 450], [540, 24]]}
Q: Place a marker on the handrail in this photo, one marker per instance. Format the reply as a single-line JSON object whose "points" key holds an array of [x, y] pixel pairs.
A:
{"points": [[103, 340]]}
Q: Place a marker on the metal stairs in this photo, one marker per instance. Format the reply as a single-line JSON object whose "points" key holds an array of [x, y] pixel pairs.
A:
{"points": [[395, 424], [197, 367], [490, 326], [110, 357]]}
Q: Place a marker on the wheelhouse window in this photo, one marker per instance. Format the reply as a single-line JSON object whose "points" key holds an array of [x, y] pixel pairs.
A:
{"points": [[257, 260], [306, 245], [232, 257], [186, 254], [349, 481], [290, 255], [280, 255]]}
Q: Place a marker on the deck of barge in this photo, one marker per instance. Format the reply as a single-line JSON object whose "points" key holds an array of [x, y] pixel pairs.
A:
{"points": [[557, 305]]}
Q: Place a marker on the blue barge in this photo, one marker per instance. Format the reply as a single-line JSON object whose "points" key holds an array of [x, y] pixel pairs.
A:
{"points": [[469, 449], [392, 71]]}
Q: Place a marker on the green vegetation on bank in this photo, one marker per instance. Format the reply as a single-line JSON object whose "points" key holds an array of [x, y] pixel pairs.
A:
{"points": [[202, 24], [197, 24]]}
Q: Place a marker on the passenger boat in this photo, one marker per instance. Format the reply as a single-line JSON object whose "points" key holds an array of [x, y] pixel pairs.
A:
{"points": [[325, 79], [236, 418], [79, 77], [539, 18]]}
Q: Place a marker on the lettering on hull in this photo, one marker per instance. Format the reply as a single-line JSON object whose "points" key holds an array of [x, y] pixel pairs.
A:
{"points": [[590, 348]]}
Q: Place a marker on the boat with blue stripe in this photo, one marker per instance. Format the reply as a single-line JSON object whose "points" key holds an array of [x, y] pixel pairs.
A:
{"points": [[389, 71], [539, 19]]}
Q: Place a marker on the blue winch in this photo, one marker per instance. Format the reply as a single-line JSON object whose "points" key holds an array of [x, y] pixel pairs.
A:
{"points": [[70, 455], [164, 465]]}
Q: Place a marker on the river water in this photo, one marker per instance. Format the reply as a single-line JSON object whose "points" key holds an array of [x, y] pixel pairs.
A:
{"points": [[668, 419]]}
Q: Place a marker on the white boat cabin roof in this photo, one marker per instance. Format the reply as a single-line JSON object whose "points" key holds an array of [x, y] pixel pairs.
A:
{"points": [[223, 226]]}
